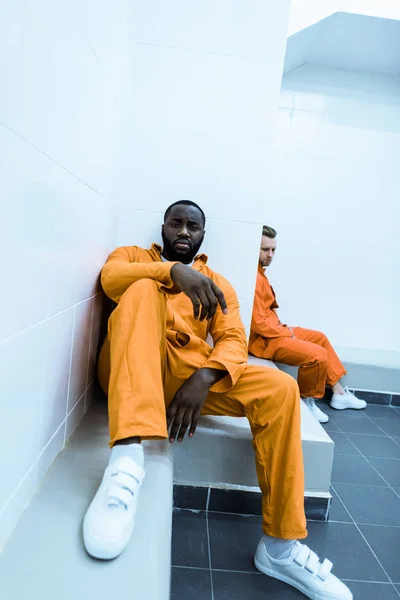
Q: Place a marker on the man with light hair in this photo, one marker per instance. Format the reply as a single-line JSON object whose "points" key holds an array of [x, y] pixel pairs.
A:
{"points": [[309, 350]]}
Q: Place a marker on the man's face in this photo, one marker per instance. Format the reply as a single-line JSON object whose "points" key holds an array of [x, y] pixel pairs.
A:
{"points": [[267, 250], [182, 233]]}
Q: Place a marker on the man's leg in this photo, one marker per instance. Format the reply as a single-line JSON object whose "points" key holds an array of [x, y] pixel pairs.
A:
{"points": [[310, 358], [131, 369], [146, 341], [137, 338], [335, 370], [270, 401], [342, 398]]}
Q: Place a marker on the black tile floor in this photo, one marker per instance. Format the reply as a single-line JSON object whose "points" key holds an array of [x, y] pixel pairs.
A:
{"points": [[212, 553]]}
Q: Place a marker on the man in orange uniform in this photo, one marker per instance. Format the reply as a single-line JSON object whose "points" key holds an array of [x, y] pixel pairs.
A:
{"points": [[311, 351], [164, 375]]}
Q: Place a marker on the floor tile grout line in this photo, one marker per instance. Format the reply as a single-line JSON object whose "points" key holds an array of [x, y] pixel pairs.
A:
{"points": [[356, 523], [246, 515], [389, 583], [343, 504], [365, 458], [386, 434], [209, 557], [363, 536], [372, 466], [208, 498], [377, 559]]}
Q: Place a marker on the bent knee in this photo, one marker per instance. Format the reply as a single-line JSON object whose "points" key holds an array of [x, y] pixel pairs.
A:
{"points": [[140, 288], [318, 357], [319, 337], [285, 383]]}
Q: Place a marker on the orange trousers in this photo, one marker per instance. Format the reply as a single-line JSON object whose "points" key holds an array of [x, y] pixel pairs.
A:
{"points": [[152, 354], [311, 351]]}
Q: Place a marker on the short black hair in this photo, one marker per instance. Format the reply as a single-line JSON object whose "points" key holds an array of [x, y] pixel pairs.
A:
{"points": [[185, 203], [269, 232]]}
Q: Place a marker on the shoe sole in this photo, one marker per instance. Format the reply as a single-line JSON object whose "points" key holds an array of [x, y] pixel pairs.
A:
{"points": [[96, 547], [323, 420], [339, 406], [293, 583]]}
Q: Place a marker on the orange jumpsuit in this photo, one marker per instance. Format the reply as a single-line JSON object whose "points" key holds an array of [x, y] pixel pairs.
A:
{"points": [[154, 344], [309, 350]]}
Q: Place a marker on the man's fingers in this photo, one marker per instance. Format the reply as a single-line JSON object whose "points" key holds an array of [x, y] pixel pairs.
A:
{"points": [[187, 419], [196, 305], [205, 305], [220, 297], [213, 304], [195, 420], [171, 411], [176, 425]]}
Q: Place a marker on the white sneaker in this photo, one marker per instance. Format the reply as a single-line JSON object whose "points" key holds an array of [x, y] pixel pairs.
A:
{"points": [[303, 571], [347, 400], [110, 519], [315, 410]]}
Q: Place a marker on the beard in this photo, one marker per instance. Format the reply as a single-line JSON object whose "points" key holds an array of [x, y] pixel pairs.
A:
{"points": [[183, 256]]}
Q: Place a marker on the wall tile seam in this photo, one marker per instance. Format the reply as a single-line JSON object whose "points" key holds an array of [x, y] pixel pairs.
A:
{"points": [[7, 503], [21, 332], [88, 366], [75, 405], [39, 455], [69, 372], [45, 155], [254, 57]]}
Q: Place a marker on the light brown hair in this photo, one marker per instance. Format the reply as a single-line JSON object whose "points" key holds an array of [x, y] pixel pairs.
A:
{"points": [[269, 232]]}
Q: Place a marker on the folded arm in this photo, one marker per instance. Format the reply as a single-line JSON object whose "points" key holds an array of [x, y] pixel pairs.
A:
{"points": [[121, 270]]}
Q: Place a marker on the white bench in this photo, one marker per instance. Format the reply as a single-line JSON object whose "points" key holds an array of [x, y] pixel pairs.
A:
{"points": [[44, 557]]}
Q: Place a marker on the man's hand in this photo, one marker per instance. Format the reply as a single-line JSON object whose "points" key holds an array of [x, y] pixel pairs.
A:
{"points": [[185, 408], [201, 290]]}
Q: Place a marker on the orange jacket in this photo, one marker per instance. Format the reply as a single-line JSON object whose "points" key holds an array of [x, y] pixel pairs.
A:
{"points": [[130, 263], [265, 322]]}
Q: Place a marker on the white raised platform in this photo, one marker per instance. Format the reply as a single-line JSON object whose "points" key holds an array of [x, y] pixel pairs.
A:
{"points": [[221, 453], [45, 558], [367, 370], [371, 370]]}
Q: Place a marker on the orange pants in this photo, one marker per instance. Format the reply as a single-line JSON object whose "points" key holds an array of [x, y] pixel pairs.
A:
{"points": [[311, 351], [150, 359]]}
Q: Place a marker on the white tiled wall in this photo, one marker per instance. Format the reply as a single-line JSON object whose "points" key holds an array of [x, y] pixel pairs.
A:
{"points": [[65, 77], [337, 211], [108, 106], [206, 80]]}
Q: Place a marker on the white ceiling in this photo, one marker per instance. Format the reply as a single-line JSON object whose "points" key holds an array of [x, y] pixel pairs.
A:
{"points": [[304, 13], [348, 41]]}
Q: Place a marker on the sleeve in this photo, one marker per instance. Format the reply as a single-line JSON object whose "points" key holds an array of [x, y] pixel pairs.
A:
{"points": [[121, 270], [264, 320], [230, 350]]}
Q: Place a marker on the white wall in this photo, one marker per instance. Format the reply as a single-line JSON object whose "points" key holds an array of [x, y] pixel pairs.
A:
{"points": [[337, 151], [65, 84], [206, 82], [145, 102]]}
